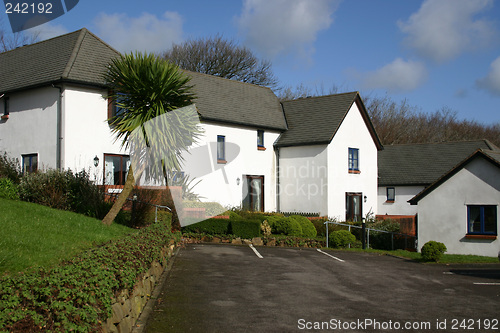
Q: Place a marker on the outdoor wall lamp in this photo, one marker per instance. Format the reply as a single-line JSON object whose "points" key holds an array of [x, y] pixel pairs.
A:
{"points": [[96, 161], [238, 181], [365, 197]]}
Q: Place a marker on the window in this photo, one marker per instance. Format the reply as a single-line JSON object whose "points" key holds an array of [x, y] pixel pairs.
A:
{"points": [[113, 109], [353, 160], [221, 149], [260, 140], [481, 220], [253, 193], [6, 107], [30, 163], [391, 194], [115, 169], [353, 207]]}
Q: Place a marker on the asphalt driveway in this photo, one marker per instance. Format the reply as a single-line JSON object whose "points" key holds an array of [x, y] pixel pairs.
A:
{"points": [[221, 288]]}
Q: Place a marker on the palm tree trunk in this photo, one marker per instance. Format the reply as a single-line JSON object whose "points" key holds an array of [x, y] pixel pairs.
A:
{"points": [[122, 198]]}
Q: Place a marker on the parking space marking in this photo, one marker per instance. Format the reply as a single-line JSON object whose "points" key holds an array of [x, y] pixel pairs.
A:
{"points": [[330, 255], [487, 283], [256, 252]]}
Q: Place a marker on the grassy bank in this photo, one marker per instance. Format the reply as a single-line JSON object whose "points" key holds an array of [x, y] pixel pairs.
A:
{"points": [[38, 236]]}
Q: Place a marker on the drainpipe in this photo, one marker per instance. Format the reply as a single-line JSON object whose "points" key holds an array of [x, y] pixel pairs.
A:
{"points": [[278, 179], [59, 138]]}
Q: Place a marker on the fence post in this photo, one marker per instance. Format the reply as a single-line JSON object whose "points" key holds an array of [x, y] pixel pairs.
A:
{"points": [[392, 241], [326, 234], [363, 235]]}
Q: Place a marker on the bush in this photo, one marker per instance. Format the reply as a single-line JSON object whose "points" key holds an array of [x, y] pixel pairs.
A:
{"points": [[9, 168], [8, 190], [245, 228], [265, 228], [433, 250], [284, 226], [308, 229], [210, 226], [341, 238], [76, 295]]}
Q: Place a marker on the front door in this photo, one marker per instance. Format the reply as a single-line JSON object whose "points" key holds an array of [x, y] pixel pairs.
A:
{"points": [[353, 206], [253, 193]]}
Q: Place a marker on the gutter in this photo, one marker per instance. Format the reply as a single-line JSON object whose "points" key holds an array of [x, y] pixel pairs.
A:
{"points": [[59, 128]]}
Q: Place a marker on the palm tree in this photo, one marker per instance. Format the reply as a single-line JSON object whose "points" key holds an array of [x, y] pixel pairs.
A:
{"points": [[143, 87]]}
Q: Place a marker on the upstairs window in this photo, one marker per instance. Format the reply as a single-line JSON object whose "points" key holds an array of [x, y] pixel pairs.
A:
{"points": [[353, 160], [260, 140], [30, 163], [113, 109], [482, 220], [391, 194], [6, 108], [221, 149]]}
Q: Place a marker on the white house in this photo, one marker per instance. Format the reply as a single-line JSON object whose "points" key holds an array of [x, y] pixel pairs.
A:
{"points": [[328, 157], [461, 209], [406, 169], [55, 110]]}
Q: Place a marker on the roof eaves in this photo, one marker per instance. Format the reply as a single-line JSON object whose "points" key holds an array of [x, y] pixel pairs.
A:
{"points": [[449, 174]]}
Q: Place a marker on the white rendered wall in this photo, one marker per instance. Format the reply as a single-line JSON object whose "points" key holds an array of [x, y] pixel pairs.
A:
{"points": [[86, 132], [304, 179], [442, 214], [400, 206], [352, 133], [32, 125], [219, 181]]}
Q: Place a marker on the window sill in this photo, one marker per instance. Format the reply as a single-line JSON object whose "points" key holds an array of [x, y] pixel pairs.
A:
{"points": [[221, 161], [5, 116], [261, 148], [354, 171], [492, 237], [389, 201]]}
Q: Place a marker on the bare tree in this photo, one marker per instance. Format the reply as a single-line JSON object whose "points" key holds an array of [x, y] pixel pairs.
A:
{"points": [[220, 57], [287, 93], [9, 40]]}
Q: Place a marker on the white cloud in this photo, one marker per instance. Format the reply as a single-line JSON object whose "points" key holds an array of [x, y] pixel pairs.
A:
{"points": [[47, 31], [281, 27], [144, 33], [442, 29], [491, 82], [397, 76]]}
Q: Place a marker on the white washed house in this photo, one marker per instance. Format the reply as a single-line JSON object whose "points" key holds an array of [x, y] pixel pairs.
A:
{"points": [[328, 157], [461, 209]]}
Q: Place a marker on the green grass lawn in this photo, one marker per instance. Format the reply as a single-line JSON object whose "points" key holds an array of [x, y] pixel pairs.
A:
{"points": [[38, 236]]}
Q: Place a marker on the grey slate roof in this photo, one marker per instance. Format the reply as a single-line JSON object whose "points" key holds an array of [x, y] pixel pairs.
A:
{"points": [[423, 164], [492, 156], [315, 120], [78, 57], [235, 102]]}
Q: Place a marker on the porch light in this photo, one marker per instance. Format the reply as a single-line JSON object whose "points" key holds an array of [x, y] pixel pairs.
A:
{"points": [[96, 161], [238, 181], [365, 197]]}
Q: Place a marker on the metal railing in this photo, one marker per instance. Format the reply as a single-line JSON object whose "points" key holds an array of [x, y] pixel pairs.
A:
{"points": [[135, 200], [406, 237]]}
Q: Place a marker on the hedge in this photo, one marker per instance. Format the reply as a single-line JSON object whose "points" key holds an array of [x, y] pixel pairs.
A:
{"points": [[245, 228], [210, 226], [76, 295]]}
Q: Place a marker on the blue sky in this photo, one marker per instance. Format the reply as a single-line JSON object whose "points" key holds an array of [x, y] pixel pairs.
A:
{"points": [[434, 53]]}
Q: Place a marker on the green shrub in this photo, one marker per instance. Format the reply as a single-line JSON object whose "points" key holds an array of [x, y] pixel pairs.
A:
{"points": [[210, 226], [265, 228], [8, 190], [245, 228], [10, 168], [76, 295], [308, 229], [341, 238], [433, 250], [284, 226]]}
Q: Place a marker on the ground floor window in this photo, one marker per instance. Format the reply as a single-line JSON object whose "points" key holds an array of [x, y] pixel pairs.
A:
{"points": [[482, 219], [30, 163], [115, 169], [353, 206]]}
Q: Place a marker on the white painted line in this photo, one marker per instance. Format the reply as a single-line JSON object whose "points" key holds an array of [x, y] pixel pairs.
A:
{"points": [[330, 255], [256, 252], [487, 283]]}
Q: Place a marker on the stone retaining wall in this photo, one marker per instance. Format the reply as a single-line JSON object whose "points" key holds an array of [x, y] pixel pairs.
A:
{"points": [[129, 304]]}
